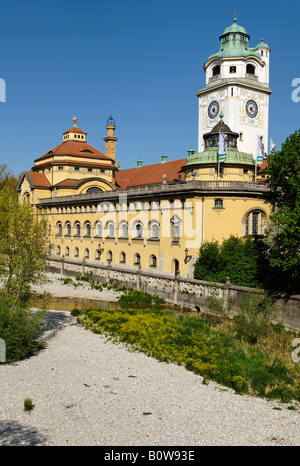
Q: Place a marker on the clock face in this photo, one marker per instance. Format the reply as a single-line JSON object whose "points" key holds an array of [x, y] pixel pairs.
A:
{"points": [[251, 108], [213, 109]]}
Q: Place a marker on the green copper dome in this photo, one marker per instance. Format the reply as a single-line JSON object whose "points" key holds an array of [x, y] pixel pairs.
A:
{"points": [[210, 156], [234, 28], [234, 43], [262, 45], [211, 150]]}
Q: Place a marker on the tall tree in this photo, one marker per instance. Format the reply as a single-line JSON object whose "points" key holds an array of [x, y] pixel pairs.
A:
{"points": [[23, 246], [283, 234]]}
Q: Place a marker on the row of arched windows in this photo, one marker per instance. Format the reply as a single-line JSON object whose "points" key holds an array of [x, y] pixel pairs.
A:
{"points": [[109, 256], [108, 230]]}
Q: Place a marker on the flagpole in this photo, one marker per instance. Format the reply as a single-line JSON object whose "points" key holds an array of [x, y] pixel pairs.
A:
{"points": [[219, 160]]}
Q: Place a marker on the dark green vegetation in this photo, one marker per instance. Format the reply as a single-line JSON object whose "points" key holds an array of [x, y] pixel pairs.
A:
{"points": [[216, 348], [283, 236], [23, 247], [246, 262]]}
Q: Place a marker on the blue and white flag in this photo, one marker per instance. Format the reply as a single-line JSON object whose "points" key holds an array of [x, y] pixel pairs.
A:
{"points": [[272, 144], [222, 147], [260, 151]]}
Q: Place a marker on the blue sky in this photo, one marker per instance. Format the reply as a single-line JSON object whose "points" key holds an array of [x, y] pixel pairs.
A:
{"points": [[139, 60]]}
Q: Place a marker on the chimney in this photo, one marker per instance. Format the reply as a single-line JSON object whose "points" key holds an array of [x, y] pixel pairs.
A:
{"points": [[164, 158], [139, 163]]}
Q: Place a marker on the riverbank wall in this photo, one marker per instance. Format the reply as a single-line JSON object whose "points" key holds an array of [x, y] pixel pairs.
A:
{"points": [[179, 291]]}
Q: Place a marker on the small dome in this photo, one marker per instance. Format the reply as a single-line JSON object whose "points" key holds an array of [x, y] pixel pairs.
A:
{"points": [[111, 121], [221, 127], [234, 28], [262, 45]]}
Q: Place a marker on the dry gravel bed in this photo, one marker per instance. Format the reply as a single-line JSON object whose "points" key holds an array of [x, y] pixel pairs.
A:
{"points": [[88, 391]]}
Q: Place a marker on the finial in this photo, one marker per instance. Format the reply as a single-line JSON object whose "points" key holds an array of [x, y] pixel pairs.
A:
{"points": [[74, 119], [221, 115], [234, 16]]}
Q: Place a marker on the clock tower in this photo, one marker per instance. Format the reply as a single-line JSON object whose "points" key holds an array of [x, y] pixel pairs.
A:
{"points": [[237, 84]]}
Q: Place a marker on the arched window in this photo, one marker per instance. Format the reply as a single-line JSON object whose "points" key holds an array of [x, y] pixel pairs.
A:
{"points": [[175, 267], [97, 254], [153, 261], [86, 253], [68, 229], [109, 256], [137, 259], [93, 190], [216, 70], [138, 230], [26, 198], [88, 229], [76, 252], [255, 223], [58, 251], [124, 230], [59, 228], [67, 251], [99, 229], [175, 229], [122, 258], [110, 230], [250, 69], [77, 231], [154, 230]]}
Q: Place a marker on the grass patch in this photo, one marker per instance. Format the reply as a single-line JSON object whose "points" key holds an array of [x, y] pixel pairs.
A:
{"points": [[212, 348]]}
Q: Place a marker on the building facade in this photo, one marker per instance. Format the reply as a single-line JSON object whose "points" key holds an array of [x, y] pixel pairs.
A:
{"points": [[156, 217]]}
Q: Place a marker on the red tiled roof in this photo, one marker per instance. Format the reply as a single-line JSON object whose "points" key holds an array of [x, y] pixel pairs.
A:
{"points": [[75, 148], [75, 129], [264, 165], [67, 182], [150, 174], [38, 179]]}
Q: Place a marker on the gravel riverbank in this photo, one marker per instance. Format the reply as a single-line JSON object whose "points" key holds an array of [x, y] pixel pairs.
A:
{"points": [[87, 390]]}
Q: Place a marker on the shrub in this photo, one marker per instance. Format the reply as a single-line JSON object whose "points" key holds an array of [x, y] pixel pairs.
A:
{"points": [[254, 317], [28, 404], [19, 328]]}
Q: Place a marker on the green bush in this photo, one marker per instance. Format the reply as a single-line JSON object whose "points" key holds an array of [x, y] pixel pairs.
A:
{"points": [[28, 404], [239, 258], [254, 316], [20, 329]]}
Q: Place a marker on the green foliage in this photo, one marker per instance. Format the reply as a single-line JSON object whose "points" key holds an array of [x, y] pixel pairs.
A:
{"points": [[283, 236], [20, 329], [254, 316], [238, 258], [195, 342], [28, 404], [23, 246], [139, 297]]}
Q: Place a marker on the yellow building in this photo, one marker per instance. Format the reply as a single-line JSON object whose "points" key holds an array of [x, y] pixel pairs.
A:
{"points": [[156, 216]]}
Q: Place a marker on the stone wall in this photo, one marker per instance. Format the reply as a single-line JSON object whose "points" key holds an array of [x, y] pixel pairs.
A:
{"points": [[182, 292]]}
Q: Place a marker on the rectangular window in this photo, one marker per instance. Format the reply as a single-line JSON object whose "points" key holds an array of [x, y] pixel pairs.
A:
{"points": [[232, 69], [60, 168], [219, 203]]}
